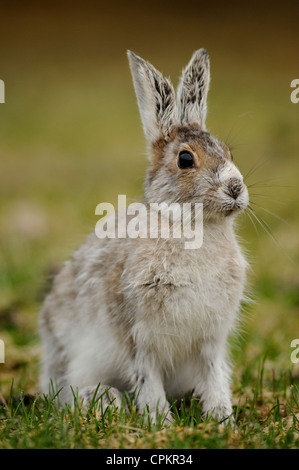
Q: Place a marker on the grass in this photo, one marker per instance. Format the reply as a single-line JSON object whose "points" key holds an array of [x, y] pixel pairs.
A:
{"points": [[70, 137], [263, 420]]}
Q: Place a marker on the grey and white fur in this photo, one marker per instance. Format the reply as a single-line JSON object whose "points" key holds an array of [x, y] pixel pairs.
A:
{"points": [[147, 314]]}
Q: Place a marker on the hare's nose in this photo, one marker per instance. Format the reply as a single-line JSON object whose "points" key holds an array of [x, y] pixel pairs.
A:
{"points": [[234, 187]]}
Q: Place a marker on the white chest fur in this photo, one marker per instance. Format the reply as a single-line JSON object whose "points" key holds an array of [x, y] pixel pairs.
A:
{"points": [[182, 298]]}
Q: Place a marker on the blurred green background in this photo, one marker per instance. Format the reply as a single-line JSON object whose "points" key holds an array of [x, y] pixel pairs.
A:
{"points": [[70, 137]]}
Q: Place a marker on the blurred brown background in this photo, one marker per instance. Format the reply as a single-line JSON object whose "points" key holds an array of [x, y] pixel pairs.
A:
{"points": [[70, 137]]}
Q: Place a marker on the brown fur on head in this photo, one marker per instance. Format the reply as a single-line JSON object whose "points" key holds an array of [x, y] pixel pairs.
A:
{"points": [[173, 129]]}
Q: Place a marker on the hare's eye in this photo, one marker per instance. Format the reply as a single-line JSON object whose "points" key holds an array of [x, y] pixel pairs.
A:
{"points": [[185, 160]]}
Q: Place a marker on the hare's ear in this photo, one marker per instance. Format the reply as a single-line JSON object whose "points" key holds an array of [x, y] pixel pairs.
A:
{"points": [[193, 90], [156, 99]]}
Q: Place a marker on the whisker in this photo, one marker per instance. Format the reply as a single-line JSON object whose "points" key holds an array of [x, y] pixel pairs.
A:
{"points": [[252, 221], [231, 137], [264, 225], [263, 185], [266, 196], [270, 212], [255, 167], [268, 230]]}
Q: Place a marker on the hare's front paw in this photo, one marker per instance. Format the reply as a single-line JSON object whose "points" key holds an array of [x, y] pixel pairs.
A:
{"points": [[222, 412], [101, 397]]}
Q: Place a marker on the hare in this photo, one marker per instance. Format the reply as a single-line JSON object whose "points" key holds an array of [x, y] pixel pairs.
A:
{"points": [[147, 314]]}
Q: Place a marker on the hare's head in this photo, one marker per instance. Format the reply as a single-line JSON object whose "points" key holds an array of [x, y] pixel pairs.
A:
{"points": [[187, 164]]}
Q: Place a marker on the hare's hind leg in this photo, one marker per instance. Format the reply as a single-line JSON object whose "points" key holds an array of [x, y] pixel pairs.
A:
{"points": [[54, 369], [54, 362]]}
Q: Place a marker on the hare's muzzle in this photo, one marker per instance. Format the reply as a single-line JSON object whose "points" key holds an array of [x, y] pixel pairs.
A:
{"points": [[235, 187]]}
